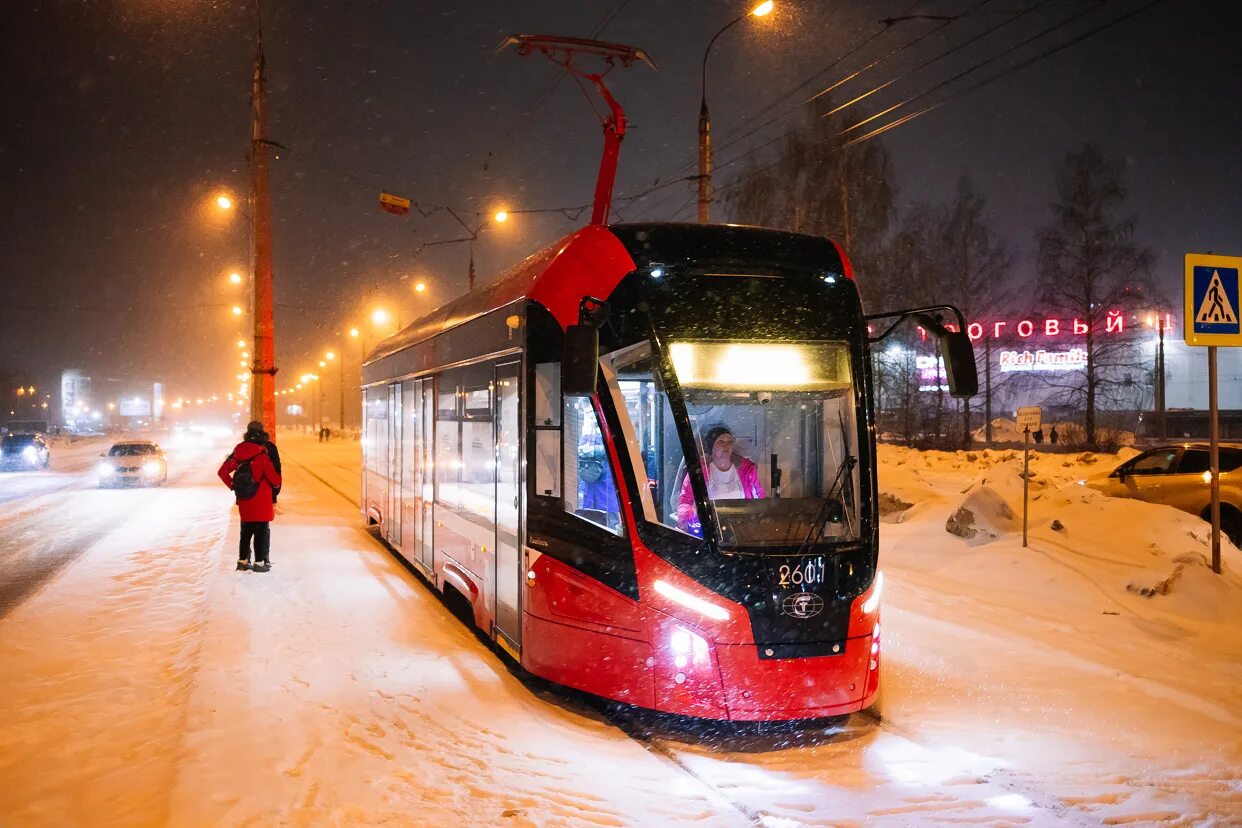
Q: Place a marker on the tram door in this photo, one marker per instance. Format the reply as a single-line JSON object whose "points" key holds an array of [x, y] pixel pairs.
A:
{"points": [[411, 468], [508, 507], [392, 508], [426, 478]]}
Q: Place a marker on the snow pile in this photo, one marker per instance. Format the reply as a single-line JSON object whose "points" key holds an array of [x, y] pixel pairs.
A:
{"points": [[1131, 549]]}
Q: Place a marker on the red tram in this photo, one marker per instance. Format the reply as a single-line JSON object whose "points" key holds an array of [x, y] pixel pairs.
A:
{"points": [[582, 532], [644, 458]]}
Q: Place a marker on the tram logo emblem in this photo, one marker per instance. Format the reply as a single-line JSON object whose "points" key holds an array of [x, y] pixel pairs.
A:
{"points": [[803, 605]]}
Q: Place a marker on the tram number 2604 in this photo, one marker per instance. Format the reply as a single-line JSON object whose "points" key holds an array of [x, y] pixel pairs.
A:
{"points": [[804, 573]]}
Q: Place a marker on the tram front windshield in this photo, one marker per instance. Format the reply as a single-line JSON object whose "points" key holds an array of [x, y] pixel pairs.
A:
{"points": [[780, 472]]}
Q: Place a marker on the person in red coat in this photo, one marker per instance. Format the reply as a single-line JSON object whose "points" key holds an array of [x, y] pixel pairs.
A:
{"points": [[250, 462]]}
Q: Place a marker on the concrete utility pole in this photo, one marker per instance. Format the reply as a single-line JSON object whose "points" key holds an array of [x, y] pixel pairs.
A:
{"points": [[263, 367]]}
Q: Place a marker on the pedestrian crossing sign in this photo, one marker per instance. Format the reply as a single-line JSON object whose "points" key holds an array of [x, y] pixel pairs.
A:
{"points": [[1212, 308]]}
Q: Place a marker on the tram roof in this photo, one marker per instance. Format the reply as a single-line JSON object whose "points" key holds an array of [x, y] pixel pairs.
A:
{"points": [[592, 261]]}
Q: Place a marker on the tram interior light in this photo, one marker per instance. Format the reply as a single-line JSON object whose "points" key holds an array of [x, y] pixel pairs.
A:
{"points": [[761, 366], [691, 601]]}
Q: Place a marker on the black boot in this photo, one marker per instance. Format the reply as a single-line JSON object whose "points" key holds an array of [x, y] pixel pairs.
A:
{"points": [[243, 565], [262, 566]]}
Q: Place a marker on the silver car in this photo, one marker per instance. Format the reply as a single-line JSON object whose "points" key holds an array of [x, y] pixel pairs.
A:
{"points": [[133, 462]]}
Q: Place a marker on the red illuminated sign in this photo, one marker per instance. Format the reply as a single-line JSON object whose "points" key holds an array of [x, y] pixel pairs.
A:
{"points": [[1052, 327]]}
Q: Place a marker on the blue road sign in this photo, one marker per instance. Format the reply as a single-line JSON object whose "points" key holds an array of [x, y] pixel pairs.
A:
{"points": [[1213, 312]]}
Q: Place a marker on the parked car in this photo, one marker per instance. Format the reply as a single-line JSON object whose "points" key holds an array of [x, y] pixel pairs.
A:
{"points": [[1179, 476], [24, 451], [133, 462]]}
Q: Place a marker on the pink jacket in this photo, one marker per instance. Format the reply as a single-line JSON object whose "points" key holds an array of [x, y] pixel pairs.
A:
{"points": [[747, 475]]}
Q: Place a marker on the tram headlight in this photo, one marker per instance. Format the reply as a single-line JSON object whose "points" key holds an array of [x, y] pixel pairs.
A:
{"points": [[688, 646], [873, 603]]}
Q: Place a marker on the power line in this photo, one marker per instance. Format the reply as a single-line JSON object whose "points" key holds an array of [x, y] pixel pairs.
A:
{"points": [[1015, 68], [805, 82], [902, 76], [995, 77]]}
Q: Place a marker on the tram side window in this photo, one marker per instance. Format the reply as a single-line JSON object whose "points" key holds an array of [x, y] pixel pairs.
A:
{"points": [[547, 425], [448, 441], [377, 431], [477, 497], [590, 489]]}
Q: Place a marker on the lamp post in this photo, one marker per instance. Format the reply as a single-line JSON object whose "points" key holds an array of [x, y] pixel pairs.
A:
{"points": [[472, 235], [1161, 402], [705, 119]]}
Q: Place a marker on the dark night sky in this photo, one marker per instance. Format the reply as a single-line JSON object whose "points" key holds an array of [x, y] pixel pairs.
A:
{"points": [[123, 118]]}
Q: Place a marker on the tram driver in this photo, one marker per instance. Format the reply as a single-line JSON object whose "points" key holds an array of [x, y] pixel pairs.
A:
{"points": [[729, 476]]}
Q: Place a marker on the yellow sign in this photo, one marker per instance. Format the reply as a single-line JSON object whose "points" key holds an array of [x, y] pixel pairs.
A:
{"points": [[1212, 293], [394, 203]]}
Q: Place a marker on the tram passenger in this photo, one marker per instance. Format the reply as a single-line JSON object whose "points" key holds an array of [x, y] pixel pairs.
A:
{"points": [[729, 476], [595, 487]]}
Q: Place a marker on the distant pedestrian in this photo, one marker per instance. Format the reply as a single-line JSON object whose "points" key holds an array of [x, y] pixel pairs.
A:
{"points": [[252, 476], [1052, 436], [1038, 435]]}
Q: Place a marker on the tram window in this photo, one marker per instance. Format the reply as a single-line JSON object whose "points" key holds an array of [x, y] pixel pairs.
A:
{"points": [[590, 489], [656, 448], [377, 430], [548, 462], [548, 394], [448, 441], [477, 492]]}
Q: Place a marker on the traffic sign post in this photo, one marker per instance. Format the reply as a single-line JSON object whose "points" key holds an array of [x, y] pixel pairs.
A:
{"points": [[1028, 420], [1213, 319]]}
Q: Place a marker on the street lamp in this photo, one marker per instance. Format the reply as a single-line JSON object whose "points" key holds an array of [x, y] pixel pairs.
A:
{"points": [[235, 278], [224, 202], [1160, 398], [705, 119]]}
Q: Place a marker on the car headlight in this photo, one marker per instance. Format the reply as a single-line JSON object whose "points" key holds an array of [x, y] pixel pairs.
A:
{"points": [[151, 467], [30, 453], [106, 468]]}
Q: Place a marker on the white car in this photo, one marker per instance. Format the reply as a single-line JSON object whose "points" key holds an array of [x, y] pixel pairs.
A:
{"points": [[133, 462]]}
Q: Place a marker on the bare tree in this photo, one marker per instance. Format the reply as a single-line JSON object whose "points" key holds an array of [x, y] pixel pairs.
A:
{"points": [[817, 185], [1090, 268], [976, 262]]}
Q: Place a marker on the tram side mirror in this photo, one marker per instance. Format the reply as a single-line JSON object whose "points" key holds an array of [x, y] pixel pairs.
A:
{"points": [[580, 362], [959, 364]]}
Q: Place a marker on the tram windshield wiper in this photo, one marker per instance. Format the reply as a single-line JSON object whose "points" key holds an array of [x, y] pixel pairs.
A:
{"points": [[835, 497]]}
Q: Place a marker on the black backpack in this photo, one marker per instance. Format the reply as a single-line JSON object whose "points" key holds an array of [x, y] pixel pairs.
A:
{"points": [[244, 484]]}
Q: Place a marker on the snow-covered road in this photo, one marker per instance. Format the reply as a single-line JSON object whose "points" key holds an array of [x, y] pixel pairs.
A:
{"points": [[147, 682]]}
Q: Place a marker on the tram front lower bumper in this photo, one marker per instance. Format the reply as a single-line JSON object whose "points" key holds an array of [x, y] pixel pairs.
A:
{"points": [[731, 681]]}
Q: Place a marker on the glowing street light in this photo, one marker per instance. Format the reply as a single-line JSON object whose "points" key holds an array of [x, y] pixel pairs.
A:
{"points": [[235, 278], [241, 343], [237, 311], [224, 202], [353, 332], [379, 317], [330, 355], [501, 216], [705, 119], [419, 287]]}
